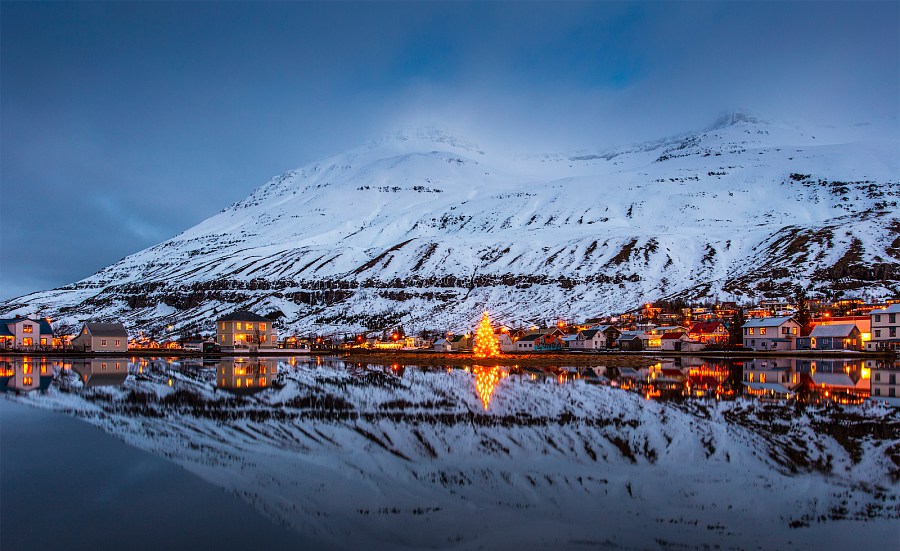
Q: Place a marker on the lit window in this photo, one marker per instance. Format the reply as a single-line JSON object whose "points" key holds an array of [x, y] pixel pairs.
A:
{"points": [[762, 330], [248, 326], [103, 366], [28, 329], [27, 341], [262, 326], [27, 381], [750, 331], [117, 342], [44, 342]]}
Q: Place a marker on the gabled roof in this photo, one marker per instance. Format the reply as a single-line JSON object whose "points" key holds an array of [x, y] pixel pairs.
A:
{"points": [[768, 322], [589, 334], [838, 330], [106, 329], [892, 309], [531, 337], [244, 315], [706, 327], [456, 338], [4, 329], [671, 336]]}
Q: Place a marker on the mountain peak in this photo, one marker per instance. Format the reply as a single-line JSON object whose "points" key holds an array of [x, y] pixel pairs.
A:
{"points": [[734, 118], [424, 137]]}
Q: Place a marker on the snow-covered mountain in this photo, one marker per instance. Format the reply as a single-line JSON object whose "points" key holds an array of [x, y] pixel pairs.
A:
{"points": [[426, 229]]}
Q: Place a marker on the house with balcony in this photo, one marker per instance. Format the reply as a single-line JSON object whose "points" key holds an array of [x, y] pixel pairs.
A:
{"points": [[772, 333]]}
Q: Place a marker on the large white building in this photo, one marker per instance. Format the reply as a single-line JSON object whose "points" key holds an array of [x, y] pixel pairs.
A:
{"points": [[885, 328]]}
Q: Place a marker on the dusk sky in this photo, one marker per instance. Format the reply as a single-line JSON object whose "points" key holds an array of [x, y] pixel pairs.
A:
{"points": [[122, 124]]}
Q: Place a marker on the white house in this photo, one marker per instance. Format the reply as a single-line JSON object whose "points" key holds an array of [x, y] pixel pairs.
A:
{"points": [[442, 345], [245, 329], [590, 339], [885, 328], [23, 333], [777, 333], [507, 344], [102, 337]]}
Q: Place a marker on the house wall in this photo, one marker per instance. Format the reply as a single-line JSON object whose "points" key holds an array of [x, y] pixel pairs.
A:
{"points": [[109, 344], [885, 383], [244, 334], [27, 334], [885, 326]]}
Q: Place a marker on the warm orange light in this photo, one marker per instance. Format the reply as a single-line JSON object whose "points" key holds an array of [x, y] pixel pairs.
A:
{"points": [[486, 343], [486, 379]]}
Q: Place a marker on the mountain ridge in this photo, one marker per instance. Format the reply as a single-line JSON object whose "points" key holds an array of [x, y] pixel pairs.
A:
{"points": [[424, 228]]}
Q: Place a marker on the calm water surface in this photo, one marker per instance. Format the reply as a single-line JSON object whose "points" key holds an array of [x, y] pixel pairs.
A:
{"points": [[309, 452]]}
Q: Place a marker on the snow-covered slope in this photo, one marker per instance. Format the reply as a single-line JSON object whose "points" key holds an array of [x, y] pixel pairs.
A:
{"points": [[424, 228]]}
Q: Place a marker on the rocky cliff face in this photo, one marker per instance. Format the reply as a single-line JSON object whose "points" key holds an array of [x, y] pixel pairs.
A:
{"points": [[426, 229]]}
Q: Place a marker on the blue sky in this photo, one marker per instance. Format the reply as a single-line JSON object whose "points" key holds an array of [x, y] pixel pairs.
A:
{"points": [[122, 124]]}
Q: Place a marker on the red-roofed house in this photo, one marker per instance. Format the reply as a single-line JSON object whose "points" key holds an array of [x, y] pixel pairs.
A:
{"points": [[680, 342], [712, 332]]}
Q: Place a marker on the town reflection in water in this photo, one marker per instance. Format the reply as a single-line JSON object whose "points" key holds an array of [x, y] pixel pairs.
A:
{"points": [[841, 381]]}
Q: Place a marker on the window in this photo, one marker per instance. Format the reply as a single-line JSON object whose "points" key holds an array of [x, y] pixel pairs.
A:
{"points": [[878, 376], [222, 326], [762, 330], [248, 326], [273, 339], [750, 331], [28, 328], [892, 392], [222, 338], [117, 342], [29, 381], [877, 333], [793, 330], [892, 318], [43, 342], [262, 326], [102, 342], [762, 377], [27, 341], [877, 392], [103, 366], [893, 332], [877, 318]]}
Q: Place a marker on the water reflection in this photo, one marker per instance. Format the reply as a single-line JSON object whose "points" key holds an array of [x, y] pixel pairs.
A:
{"points": [[24, 374], [246, 376], [101, 372], [486, 379]]}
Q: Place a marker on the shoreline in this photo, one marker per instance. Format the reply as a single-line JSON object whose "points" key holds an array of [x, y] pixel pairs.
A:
{"points": [[429, 357]]}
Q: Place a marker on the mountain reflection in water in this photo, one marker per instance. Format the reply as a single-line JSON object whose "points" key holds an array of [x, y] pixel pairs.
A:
{"points": [[387, 456]]}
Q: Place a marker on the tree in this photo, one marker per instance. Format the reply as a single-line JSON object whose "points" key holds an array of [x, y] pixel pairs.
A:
{"points": [[802, 317], [735, 330]]}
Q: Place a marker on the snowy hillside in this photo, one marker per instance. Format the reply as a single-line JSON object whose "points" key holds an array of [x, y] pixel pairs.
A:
{"points": [[427, 229]]}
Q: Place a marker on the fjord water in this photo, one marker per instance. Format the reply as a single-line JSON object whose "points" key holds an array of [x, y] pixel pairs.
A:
{"points": [[313, 453]]}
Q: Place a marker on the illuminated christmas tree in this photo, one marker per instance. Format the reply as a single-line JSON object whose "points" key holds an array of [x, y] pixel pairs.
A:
{"points": [[486, 343]]}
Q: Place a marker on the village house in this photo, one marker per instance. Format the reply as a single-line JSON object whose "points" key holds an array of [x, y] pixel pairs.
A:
{"points": [[679, 342], [101, 337], [885, 327], [442, 345], [245, 330], [507, 344], [832, 337], [453, 343], [710, 333], [607, 335], [775, 333], [25, 333], [631, 340]]}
